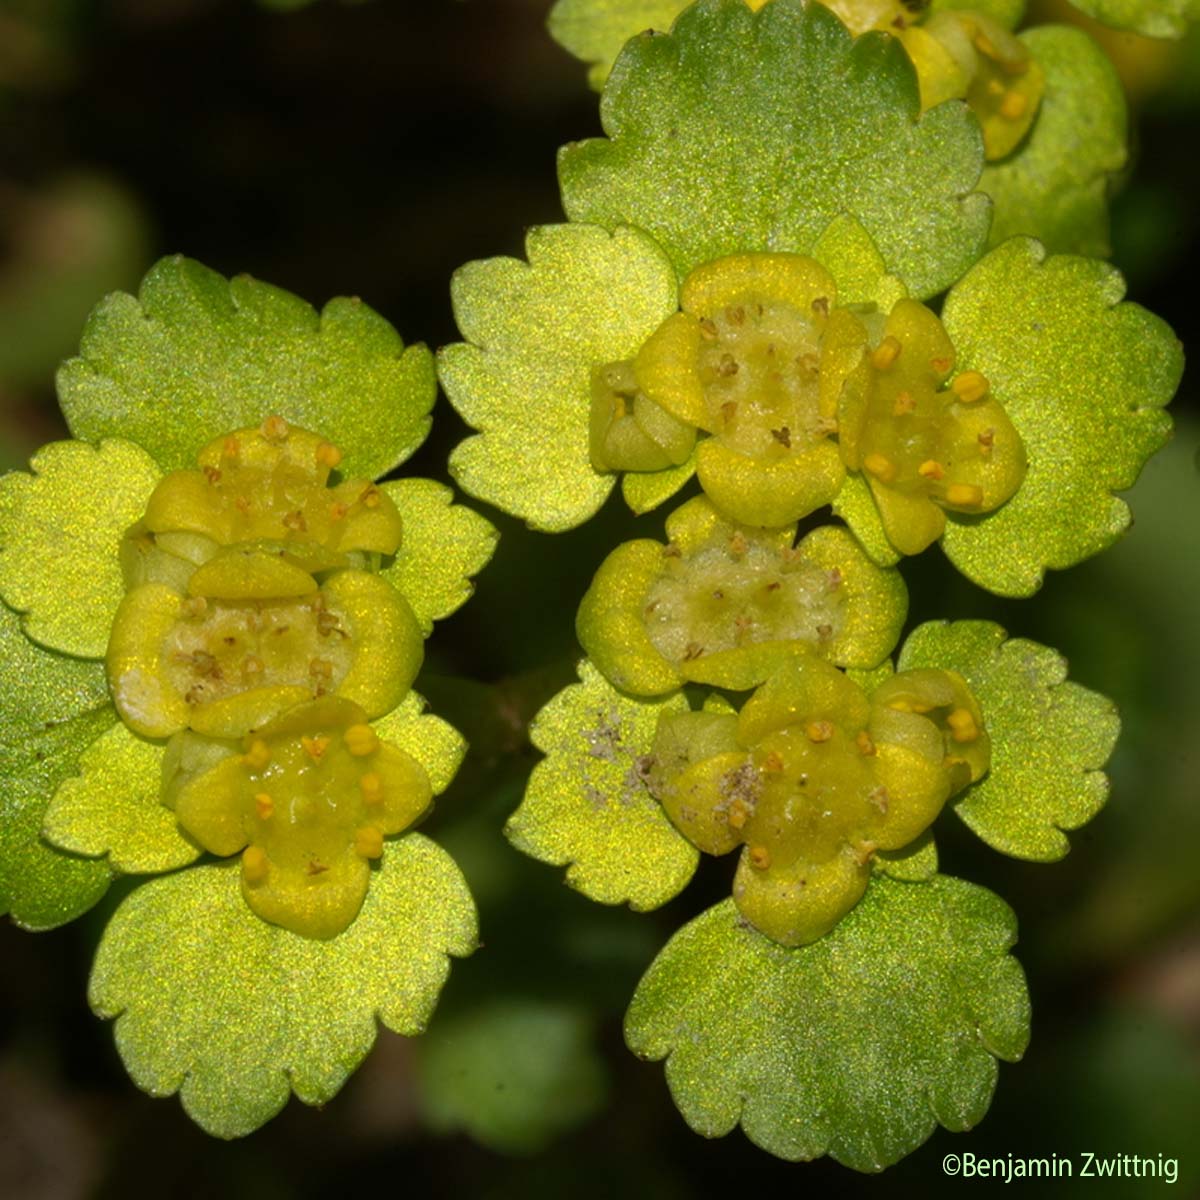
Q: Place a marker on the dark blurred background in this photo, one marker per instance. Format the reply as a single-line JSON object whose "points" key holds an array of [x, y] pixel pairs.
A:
{"points": [[371, 148]]}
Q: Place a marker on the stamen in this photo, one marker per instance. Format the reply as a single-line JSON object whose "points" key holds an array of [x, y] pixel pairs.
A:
{"points": [[970, 386], [264, 806], [964, 495], [368, 842], [361, 740], [881, 467], [275, 429], [819, 731], [931, 469], [886, 353], [255, 866], [962, 726]]}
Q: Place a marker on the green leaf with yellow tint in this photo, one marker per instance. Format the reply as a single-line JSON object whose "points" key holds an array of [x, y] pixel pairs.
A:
{"points": [[1050, 737], [112, 808], [235, 1014], [51, 709], [442, 546], [437, 746], [1084, 379], [856, 1046], [595, 30], [1151, 18], [534, 332], [587, 805], [60, 531], [195, 355], [752, 131], [1055, 185], [914, 864]]}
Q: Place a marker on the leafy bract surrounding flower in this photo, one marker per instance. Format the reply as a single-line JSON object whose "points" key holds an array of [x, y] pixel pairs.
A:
{"points": [[251, 605], [727, 604], [1056, 187], [857, 1046], [195, 354], [235, 1013], [1083, 379], [1151, 18], [752, 131], [1049, 737], [588, 806]]}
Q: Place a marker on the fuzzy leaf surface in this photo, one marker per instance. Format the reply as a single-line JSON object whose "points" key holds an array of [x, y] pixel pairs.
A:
{"points": [[1050, 737], [1084, 379], [235, 1014], [195, 355], [858, 1045], [752, 131]]}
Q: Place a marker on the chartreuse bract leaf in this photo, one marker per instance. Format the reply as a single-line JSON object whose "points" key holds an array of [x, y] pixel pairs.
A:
{"points": [[1152, 18], [1055, 187], [235, 1013], [752, 131], [858, 1045], [195, 355], [535, 331], [595, 30], [587, 805], [60, 528], [1049, 737], [51, 709], [1083, 378], [443, 546]]}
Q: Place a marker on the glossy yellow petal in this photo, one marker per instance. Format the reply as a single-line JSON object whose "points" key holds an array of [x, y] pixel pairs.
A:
{"points": [[667, 370], [250, 574], [791, 279], [146, 699]]}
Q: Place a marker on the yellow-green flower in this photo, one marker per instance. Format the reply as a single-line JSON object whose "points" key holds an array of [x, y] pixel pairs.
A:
{"points": [[217, 620], [812, 778], [726, 604]]}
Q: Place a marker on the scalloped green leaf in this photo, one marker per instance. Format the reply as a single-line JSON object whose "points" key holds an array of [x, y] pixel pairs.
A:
{"points": [[846, 251], [1084, 379], [113, 808], [595, 30], [1151, 18], [746, 131], [195, 355], [857, 1045], [914, 864], [514, 1073], [587, 806], [1055, 185], [434, 743], [646, 490], [60, 529], [856, 506], [51, 709], [1050, 737], [444, 544], [523, 378], [234, 1014]]}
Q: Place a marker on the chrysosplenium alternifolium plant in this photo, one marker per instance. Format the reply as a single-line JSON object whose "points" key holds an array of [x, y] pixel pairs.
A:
{"points": [[744, 295], [214, 618]]}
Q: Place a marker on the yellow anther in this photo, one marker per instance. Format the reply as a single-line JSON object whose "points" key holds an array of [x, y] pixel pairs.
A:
{"points": [[328, 455], [368, 842], [255, 866], [986, 46], [773, 762], [321, 668], [1013, 106], [231, 447], [338, 511], [620, 408], [900, 704], [964, 495], [819, 731], [962, 726], [275, 429], [940, 365], [760, 858], [263, 805], [864, 743], [885, 353], [738, 544], [881, 467], [257, 755], [970, 386], [315, 747], [361, 740], [987, 440], [370, 498], [738, 814], [995, 87], [195, 607], [904, 404], [372, 788], [931, 469]]}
